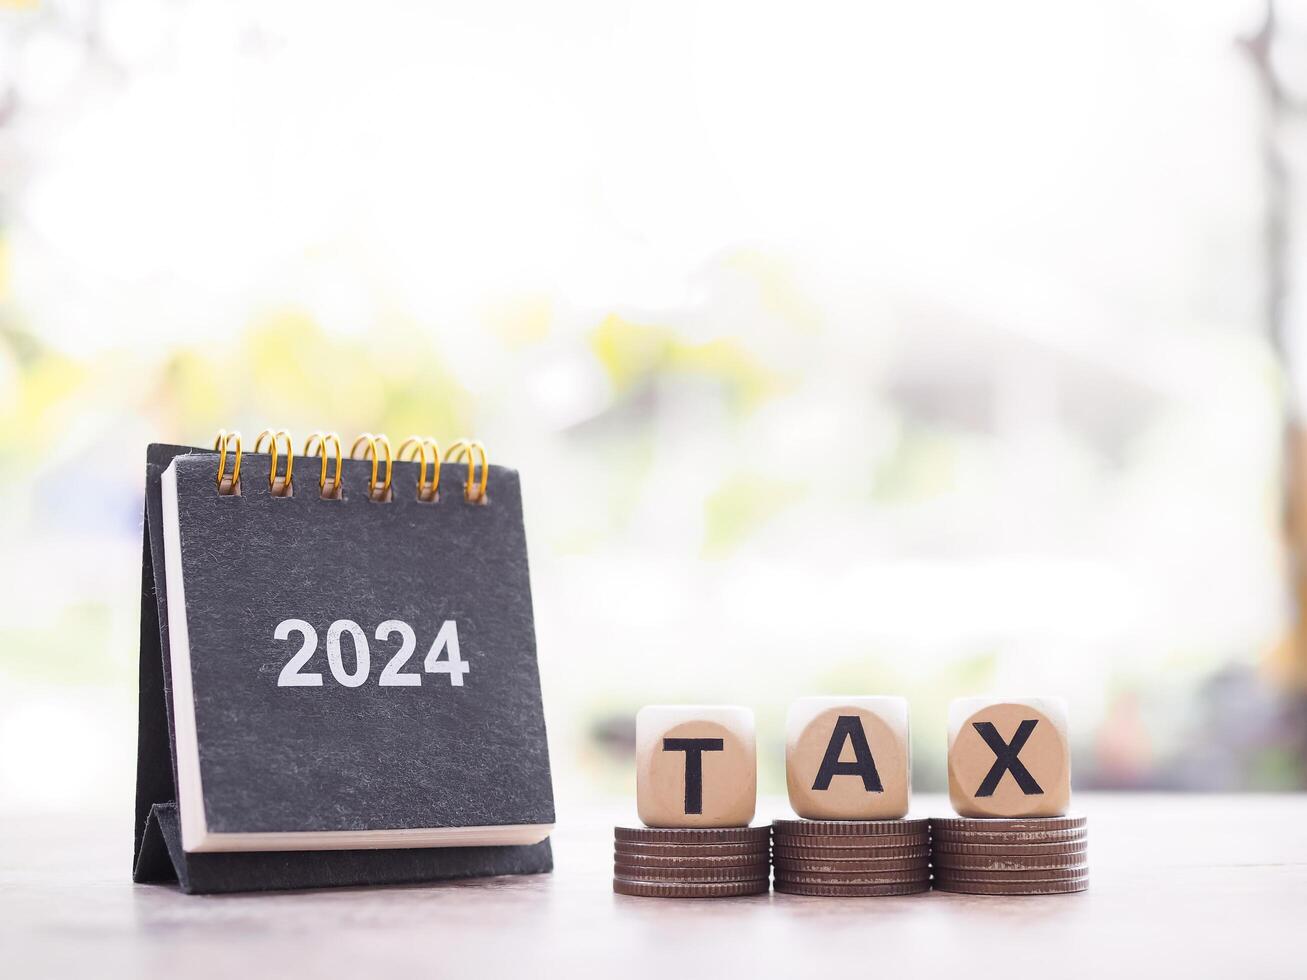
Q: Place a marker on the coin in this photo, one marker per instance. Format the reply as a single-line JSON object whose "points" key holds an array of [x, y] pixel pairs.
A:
{"points": [[692, 850], [1037, 874], [865, 878], [1028, 887], [855, 828], [852, 891], [692, 835], [997, 862], [848, 840], [689, 889], [1011, 836], [732, 861], [1009, 850], [854, 853], [997, 825], [635, 872], [849, 865]]}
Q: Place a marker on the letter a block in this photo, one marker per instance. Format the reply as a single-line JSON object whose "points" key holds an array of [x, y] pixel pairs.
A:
{"points": [[695, 766], [1008, 758], [848, 758]]}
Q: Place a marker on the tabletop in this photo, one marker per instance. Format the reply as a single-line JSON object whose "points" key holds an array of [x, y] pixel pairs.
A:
{"points": [[1179, 885]]}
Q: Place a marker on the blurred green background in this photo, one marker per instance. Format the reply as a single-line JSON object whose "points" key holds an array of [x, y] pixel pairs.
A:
{"points": [[839, 353]]}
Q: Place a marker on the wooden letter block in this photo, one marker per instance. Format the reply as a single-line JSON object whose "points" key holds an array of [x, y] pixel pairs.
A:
{"points": [[695, 766], [1008, 758], [848, 758]]}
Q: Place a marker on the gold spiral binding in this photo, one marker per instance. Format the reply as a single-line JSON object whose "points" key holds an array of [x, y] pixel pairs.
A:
{"points": [[280, 486], [379, 492], [221, 443], [467, 447], [323, 438], [420, 445]]}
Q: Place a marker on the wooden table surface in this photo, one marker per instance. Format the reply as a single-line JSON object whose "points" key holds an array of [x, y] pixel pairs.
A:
{"points": [[1180, 886]]}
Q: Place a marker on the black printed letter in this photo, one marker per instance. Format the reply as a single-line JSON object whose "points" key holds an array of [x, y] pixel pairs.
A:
{"points": [[849, 727], [1005, 758], [694, 748]]}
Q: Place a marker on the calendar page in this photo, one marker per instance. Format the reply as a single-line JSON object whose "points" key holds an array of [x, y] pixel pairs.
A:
{"points": [[351, 672]]}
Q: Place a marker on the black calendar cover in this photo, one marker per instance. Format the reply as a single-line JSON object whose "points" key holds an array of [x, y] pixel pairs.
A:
{"points": [[436, 729]]}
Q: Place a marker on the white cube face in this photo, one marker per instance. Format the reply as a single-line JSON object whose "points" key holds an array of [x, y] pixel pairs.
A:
{"points": [[696, 766], [849, 758], [1009, 757]]}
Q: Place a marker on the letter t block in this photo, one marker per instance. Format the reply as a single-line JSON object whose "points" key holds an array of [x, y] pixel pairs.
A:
{"points": [[695, 766]]}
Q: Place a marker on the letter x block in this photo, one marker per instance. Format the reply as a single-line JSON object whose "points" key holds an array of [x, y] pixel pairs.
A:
{"points": [[695, 766], [1008, 758], [848, 758]]}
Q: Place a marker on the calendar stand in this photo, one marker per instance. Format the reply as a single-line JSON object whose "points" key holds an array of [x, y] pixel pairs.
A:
{"points": [[158, 856]]}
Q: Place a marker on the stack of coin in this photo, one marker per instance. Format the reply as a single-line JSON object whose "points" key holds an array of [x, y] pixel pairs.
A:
{"points": [[851, 858], [703, 862], [996, 856]]}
